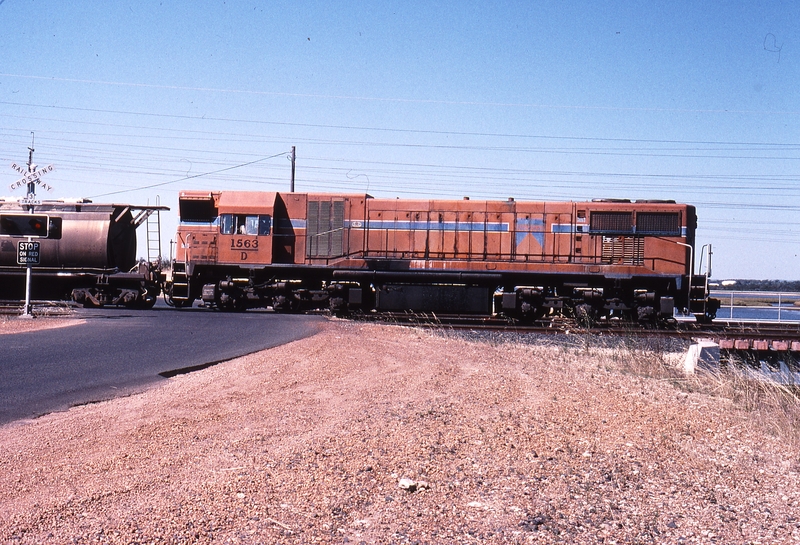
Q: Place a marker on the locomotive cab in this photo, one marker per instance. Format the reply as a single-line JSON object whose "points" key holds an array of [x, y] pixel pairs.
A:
{"points": [[228, 233], [231, 228]]}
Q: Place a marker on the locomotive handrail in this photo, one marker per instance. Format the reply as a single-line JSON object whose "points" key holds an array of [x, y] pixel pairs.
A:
{"points": [[187, 254], [691, 266], [708, 260]]}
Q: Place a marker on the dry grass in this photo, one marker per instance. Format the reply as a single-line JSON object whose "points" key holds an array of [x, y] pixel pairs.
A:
{"points": [[770, 405]]}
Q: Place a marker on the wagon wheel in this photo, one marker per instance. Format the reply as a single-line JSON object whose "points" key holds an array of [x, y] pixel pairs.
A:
{"points": [[147, 299]]}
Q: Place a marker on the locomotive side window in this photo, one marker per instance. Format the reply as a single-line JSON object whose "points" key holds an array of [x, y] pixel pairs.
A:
{"points": [[264, 224], [226, 224], [242, 224], [250, 224]]}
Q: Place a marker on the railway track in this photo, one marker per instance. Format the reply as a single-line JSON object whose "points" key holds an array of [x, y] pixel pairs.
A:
{"points": [[725, 332], [764, 346], [39, 308], [719, 331]]}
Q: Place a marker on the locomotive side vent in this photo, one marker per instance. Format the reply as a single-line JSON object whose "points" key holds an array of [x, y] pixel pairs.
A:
{"points": [[658, 223], [623, 250], [337, 229], [611, 222], [325, 229]]}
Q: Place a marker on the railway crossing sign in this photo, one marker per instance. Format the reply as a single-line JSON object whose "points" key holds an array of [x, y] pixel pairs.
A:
{"points": [[34, 177], [27, 253]]}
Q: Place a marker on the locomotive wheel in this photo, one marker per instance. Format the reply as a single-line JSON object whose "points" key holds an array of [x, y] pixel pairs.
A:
{"points": [[285, 303], [234, 305], [586, 315], [338, 306], [705, 318], [646, 315], [531, 315]]}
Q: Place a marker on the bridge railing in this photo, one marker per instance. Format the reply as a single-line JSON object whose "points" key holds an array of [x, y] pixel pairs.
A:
{"points": [[758, 306]]}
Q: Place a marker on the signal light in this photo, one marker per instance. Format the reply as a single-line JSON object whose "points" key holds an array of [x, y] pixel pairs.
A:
{"points": [[24, 225]]}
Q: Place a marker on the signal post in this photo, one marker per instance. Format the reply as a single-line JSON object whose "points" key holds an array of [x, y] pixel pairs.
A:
{"points": [[28, 225]]}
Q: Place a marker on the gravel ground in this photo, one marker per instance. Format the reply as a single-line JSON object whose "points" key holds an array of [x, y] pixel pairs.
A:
{"points": [[15, 324], [381, 434]]}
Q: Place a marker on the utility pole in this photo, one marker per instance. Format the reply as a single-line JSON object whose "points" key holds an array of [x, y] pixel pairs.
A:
{"points": [[291, 184]]}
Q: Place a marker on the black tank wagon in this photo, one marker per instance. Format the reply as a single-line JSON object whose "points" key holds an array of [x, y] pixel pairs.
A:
{"points": [[89, 255]]}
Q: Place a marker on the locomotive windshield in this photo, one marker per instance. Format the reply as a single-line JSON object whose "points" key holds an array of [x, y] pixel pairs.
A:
{"points": [[242, 224]]}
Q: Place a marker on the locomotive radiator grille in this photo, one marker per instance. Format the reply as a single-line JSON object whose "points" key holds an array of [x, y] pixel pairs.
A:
{"points": [[658, 223], [325, 229], [611, 222], [623, 250]]}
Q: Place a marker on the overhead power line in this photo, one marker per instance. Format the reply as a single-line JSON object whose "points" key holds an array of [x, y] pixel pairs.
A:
{"points": [[189, 177], [397, 130], [400, 99]]}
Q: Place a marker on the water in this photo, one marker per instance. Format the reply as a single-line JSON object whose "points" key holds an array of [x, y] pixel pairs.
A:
{"points": [[786, 313]]}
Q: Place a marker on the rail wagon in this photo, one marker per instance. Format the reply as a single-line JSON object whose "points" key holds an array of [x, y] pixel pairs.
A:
{"points": [[89, 255], [352, 252]]}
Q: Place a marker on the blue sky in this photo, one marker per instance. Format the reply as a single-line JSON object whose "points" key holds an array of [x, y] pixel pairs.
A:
{"points": [[692, 101]]}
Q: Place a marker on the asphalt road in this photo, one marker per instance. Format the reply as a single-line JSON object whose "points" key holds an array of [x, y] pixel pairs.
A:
{"points": [[118, 352]]}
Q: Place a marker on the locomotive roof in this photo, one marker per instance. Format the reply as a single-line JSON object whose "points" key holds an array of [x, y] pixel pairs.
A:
{"points": [[228, 197], [245, 201]]}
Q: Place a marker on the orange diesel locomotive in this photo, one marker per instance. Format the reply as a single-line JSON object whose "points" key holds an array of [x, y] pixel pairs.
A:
{"points": [[348, 252]]}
